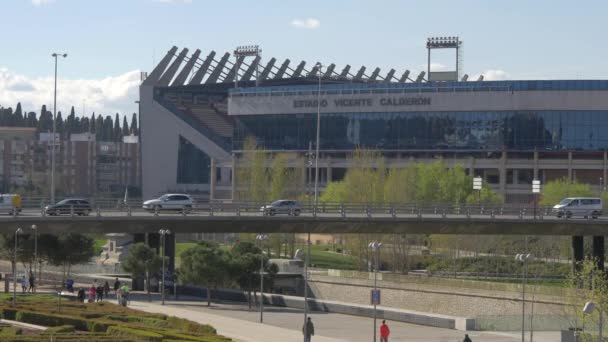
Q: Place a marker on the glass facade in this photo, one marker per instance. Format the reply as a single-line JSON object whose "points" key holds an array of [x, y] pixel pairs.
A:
{"points": [[511, 130], [192, 164]]}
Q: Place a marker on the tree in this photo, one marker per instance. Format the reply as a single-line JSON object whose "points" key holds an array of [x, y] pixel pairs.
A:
{"points": [[278, 176], [588, 284], [18, 118], [84, 125], [117, 132], [125, 126], [555, 191], [92, 124], [31, 121], [71, 249], [70, 123], [204, 264], [99, 128], [142, 261], [245, 259], [107, 133], [60, 126], [134, 129]]}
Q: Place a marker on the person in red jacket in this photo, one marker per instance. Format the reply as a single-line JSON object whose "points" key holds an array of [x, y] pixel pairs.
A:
{"points": [[384, 332]]}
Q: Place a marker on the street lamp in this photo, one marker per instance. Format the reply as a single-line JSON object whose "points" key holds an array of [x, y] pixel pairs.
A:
{"points": [[306, 262], [535, 191], [17, 232], [589, 308], [55, 55], [525, 258], [318, 66], [35, 229], [261, 238], [375, 247], [163, 233]]}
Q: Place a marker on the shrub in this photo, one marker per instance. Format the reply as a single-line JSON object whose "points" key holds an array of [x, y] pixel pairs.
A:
{"points": [[49, 320], [136, 334], [8, 313], [191, 327], [10, 331]]}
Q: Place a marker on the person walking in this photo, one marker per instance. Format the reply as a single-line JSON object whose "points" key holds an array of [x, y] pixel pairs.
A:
{"points": [[384, 332], [32, 283], [92, 294], [308, 330], [106, 289], [467, 338], [23, 284], [116, 286]]}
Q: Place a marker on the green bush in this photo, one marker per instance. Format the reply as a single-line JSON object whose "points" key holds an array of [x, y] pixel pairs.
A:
{"points": [[8, 313], [191, 327], [10, 331], [136, 334], [49, 320]]}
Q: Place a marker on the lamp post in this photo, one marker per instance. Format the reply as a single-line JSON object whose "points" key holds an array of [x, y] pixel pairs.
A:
{"points": [[524, 258], [35, 229], [318, 66], [261, 238], [535, 192], [17, 232], [587, 309], [55, 55], [375, 247], [306, 262], [163, 233], [477, 185]]}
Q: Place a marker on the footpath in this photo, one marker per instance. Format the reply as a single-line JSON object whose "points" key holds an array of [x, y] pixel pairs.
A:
{"points": [[237, 329]]}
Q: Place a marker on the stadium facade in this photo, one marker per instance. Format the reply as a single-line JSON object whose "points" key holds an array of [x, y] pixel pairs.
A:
{"points": [[194, 122]]}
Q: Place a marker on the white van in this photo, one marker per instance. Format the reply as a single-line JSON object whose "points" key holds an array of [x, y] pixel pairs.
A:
{"points": [[579, 206], [10, 204]]}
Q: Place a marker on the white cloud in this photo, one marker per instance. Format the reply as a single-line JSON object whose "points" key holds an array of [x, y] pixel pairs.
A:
{"points": [[308, 23], [41, 2], [492, 75], [104, 96]]}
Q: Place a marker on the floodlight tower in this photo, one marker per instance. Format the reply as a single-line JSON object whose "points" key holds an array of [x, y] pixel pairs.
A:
{"points": [[248, 51], [444, 43]]}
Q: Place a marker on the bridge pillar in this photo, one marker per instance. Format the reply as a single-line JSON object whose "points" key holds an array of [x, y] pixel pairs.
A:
{"points": [[598, 251], [170, 251], [577, 251]]}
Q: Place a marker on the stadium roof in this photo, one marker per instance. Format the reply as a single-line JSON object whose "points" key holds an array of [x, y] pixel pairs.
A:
{"points": [[215, 69]]}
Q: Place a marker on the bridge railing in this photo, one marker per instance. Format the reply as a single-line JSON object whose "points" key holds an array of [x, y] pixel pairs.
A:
{"points": [[104, 206]]}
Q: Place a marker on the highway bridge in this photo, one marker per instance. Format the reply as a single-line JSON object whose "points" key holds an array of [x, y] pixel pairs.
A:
{"points": [[336, 219]]}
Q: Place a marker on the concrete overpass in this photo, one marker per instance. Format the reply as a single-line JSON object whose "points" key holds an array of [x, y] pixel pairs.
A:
{"points": [[229, 219]]}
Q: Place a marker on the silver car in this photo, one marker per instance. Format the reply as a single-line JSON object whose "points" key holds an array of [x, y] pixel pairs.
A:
{"points": [[287, 207], [170, 202]]}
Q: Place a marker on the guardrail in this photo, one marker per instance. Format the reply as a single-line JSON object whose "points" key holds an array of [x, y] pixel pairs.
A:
{"points": [[101, 207]]}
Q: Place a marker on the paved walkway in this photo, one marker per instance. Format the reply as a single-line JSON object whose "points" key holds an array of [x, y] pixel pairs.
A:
{"points": [[236, 321]]}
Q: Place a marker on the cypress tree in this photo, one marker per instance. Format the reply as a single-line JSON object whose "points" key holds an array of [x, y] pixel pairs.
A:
{"points": [[92, 126], [84, 125], [117, 131], [99, 128], [134, 129], [108, 130], [18, 116], [125, 126]]}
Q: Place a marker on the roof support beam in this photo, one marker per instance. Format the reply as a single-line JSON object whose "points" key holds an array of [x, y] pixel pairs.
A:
{"points": [[160, 67], [389, 76], [170, 72], [360, 73], [281, 70], [405, 77], [298, 72], [183, 75], [329, 71], [345, 71], [249, 72], [234, 70], [374, 74], [219, 68], [266, 71], [202, 70]]}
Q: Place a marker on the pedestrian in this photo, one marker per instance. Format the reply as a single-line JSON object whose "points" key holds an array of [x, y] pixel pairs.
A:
{"points": [[384, 332], [32, 285], [92, 294], [99, 293], [119, 296], [308, 330], [23, 284], [467, 338], [106, 289], [116, 286], [125, 295], [81, 295]]}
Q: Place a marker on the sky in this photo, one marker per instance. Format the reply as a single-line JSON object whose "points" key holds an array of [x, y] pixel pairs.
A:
{"points": [[109, 41]]}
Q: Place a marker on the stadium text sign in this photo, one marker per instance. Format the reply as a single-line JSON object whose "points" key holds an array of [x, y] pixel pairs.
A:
{"points": [[364, 102]]}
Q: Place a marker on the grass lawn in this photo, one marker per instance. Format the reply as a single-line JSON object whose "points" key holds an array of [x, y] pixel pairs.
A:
{"points": [[322, 256], [95, 322]]}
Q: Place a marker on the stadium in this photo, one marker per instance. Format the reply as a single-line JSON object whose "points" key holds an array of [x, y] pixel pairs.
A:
{"points": [[196, 113]]}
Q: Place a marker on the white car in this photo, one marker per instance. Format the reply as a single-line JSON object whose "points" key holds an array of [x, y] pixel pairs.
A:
{"points": [[180, 202], [579, 206]]}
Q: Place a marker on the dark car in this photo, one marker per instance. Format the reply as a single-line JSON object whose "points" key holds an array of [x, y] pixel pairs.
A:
{"points": [[68, 206]]}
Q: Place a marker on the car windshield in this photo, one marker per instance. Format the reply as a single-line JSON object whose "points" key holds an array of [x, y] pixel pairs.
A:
{"points": [[565, 201], [65, 201], [276, 203]]}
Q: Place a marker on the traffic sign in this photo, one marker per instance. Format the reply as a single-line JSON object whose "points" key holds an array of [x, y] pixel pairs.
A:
{"points": [[375, 297]]}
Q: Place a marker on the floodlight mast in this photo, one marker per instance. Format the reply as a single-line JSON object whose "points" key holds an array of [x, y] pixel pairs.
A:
{"points": [[444, 43], [248, 51]]}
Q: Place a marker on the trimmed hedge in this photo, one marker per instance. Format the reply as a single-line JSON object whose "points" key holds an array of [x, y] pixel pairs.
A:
{"points": [[8, 313], [10, 331], [137, 334], [49, 320]]}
